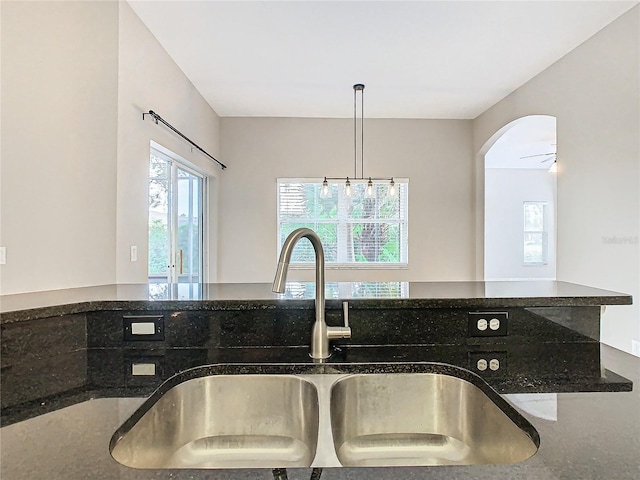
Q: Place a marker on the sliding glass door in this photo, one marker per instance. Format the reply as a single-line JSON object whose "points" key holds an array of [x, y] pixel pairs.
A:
{"points": [[176, 220]]}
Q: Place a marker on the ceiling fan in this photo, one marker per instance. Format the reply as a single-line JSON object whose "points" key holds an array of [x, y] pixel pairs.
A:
{"points": [[550, 156]]}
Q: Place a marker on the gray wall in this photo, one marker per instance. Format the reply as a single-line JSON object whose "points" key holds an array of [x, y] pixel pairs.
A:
{"points": [[59, 121], [76, 77], [594, 93], [506, 189], [435, 155]]}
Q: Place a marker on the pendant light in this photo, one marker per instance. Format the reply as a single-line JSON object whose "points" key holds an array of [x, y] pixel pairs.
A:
{"points": [[392, 188], [370, 190], [325, 192]]}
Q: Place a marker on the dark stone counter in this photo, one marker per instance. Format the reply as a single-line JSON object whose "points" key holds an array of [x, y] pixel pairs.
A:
{"points": [[66, 435], [372, 295], [68, 382], [50, 382]]}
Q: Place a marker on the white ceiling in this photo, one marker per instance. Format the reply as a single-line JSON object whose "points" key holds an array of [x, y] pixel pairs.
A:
{"points": [[424, 59]]}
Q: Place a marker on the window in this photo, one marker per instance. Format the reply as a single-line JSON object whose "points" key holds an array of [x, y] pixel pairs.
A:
{"points": [[535, 233], [176, 221], [355, 231]]}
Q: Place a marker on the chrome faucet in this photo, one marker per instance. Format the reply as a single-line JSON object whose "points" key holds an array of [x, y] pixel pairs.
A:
{"points": [[321, 333]]}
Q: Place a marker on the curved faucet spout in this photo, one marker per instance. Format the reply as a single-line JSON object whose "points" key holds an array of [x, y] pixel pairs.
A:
{"points": [[285, 258], [321, 332]]}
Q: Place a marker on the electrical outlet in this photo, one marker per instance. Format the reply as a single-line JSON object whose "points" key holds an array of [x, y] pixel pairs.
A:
{"points": [[3, 255], [134, 253], [488, 363], [635, 347], [488, 324], [143, 327]]}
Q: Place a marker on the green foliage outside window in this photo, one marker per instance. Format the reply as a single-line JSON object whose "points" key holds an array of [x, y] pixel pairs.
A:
{"points": [[353, 229]]}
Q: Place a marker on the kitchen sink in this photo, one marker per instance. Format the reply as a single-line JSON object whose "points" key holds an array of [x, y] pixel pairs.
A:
{"points": [[425, 419], [223, 421], [441, 415]]}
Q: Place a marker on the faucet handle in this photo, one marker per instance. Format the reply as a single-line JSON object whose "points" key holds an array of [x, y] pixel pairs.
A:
{"points": [[345, 313]]}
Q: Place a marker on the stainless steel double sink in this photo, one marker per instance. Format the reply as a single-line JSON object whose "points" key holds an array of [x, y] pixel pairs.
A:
{"points": [[447, 416]]}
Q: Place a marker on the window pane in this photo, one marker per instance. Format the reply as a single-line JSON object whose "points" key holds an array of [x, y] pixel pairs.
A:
{"points": [[189, 228], [158, 167], [303, 251], [535, 234], [158, 216], [299, 200], [533, 248], [375, 242], [533, 217]]}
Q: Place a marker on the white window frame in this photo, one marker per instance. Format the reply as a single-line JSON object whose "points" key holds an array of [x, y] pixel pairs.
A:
{"points": [[350, 265]]}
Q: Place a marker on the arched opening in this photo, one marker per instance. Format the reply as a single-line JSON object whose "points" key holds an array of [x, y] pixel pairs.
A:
{"points": [[520, 196]]}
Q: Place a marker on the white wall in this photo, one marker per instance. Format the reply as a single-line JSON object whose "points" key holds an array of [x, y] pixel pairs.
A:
{"points": [[436, 155], [594, 93], [58, 158], [505, 191], [150, 80]]}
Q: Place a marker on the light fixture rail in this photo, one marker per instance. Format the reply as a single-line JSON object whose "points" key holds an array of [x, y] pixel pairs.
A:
{"points": [[157, 118], [325, 191]]}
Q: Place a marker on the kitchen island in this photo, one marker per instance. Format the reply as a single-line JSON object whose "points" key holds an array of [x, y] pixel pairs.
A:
{"points": [[67, 384]]}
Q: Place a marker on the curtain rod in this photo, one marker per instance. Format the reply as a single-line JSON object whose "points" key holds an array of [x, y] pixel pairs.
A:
{"points": [[158, 118]]}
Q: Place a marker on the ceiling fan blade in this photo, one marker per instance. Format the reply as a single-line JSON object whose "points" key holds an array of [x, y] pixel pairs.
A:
{"points": [[539, 155]]}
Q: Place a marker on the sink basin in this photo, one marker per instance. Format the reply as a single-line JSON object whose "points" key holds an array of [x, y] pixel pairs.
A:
{"points": [[442, 415], [223, 421], [425, 419]]}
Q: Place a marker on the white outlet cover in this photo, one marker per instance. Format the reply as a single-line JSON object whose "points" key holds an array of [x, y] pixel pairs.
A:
{"points": [[134, 253], [143, 328], [635, 347], [143, 369], [3, 255]]}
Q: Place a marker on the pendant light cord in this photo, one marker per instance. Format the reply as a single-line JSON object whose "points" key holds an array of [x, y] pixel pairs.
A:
{"points": [[362, 132], [369, 192], [355, 134], [358, 87]]}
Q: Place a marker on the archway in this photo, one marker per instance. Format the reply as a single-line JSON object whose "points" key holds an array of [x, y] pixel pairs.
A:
{"points": [[520, 201]]}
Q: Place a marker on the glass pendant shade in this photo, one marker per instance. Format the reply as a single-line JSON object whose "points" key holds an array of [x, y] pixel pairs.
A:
{"points": [[369, 192], [392, 189], [347, 188], [325, 190]]}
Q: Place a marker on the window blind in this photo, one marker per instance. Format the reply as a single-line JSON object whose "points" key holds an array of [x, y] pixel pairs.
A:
{"points": [[356, 231]]}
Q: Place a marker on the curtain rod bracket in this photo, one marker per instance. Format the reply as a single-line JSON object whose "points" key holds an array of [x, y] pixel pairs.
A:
{"points": [[157, 118]]}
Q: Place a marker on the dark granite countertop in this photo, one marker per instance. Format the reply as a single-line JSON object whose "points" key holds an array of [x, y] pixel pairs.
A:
{"points": [[29, 306], [583, 435], [67, 383]]}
